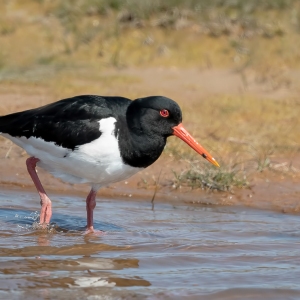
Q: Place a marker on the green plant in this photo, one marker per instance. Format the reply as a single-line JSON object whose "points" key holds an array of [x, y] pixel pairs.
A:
{"points": [[202, 175]]}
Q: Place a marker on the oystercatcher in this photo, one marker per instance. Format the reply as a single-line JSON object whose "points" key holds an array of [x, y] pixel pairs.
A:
{"points": [[95, 140]]}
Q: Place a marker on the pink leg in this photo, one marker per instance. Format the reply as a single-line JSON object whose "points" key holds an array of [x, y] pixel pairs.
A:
{"points": [[90, 205], [46, 210]]}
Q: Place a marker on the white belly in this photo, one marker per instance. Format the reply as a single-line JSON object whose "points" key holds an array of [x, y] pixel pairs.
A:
{"points": [[98, 162]]}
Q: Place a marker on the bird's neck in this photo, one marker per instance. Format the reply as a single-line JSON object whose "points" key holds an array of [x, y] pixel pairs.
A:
{"points": [[140, 150]]}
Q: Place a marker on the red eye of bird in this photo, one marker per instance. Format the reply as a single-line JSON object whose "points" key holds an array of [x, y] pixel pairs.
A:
{"points": [[164, 113]]}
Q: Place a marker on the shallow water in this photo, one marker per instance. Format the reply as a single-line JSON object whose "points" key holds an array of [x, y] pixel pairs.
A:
{"points": [[173, 252]]}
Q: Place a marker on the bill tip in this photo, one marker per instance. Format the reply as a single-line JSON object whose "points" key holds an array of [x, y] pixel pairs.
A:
{"points": [[215, 163]]}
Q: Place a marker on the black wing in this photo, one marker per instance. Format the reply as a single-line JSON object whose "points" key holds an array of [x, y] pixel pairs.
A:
{"points": [[68, 123]]}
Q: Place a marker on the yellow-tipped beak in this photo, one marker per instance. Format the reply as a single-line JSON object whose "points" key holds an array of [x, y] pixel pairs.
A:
{"points": [[183, 134]]}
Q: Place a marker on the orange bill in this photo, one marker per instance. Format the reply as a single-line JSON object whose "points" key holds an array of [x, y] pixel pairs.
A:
{"points": [[180, 132]]}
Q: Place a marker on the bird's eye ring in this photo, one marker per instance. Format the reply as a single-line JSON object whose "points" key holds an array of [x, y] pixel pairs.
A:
{"points": [[164, 113]]}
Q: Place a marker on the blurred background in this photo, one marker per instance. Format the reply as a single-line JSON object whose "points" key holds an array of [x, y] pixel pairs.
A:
{"points": [[232, 65]]}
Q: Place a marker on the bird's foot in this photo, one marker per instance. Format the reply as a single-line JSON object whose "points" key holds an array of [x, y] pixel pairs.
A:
{"points": [[91, 230], [44, 227]]}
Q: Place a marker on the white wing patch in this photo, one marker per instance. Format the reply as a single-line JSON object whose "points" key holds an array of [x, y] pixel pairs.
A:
{"points": [[98, 162]]}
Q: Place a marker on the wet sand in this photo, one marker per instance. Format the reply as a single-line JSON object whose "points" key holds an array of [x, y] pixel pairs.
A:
{"points": [[173, 252]]}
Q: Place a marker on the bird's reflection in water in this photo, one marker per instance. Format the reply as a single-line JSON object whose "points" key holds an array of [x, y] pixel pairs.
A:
{"points": [[43, 239]]}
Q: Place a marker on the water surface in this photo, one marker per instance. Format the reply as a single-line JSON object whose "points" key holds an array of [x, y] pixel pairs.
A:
{"points": [[173, 252]]}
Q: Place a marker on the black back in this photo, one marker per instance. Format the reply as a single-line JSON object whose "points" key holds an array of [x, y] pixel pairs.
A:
{"points": [[69, 122]]}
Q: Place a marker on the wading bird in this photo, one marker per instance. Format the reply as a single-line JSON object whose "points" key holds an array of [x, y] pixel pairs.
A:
{"points": [[95, 140]]}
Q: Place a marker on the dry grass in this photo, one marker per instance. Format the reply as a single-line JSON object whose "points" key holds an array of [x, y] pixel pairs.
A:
{"points": [[115, 33]]}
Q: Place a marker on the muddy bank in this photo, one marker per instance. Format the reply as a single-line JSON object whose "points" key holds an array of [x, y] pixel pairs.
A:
{"points": [[267, 190]]}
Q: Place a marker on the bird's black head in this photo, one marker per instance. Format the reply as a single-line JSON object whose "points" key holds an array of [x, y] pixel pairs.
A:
{"points": [[153, 115]]}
